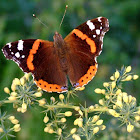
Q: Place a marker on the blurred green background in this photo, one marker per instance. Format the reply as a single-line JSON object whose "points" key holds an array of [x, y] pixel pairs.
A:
{"points": [[121, 44]]}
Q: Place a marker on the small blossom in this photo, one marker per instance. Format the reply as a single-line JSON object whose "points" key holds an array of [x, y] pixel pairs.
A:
{"points": [[103, 91], [130, 128], [1, 129], [68, 113], [112, 78], [135, 77], [98, 90], [24, 106], [128, 78], [6, 90], [13, 93], [17, 126], [77, 108], [95, 130], [53, 99], [73, 130], [105, 84], [61, 96], [101, 102], [63, 120], [14, 121], [46, 119], [103, 127], [42, 102], [13, 87], [107, 96], [59, 131], [113, 85], [118, 91], [137, 118], [128, 69], [125, 99], [38, 94], [99, 122], [46, 129], [76, 137], [130, 98], [16, 81], [11, 118], [50, 131], [80, 122], [91, 107], [12, 98], [117, 74], [119, 98], [22, 81], [23, 110], [119, 103], [19, 109], [95, 118], [27, 75], [76, 121], [17, 130]]}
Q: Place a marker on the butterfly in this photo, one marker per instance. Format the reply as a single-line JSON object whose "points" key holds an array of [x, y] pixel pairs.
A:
{"points": [[53, 63]]}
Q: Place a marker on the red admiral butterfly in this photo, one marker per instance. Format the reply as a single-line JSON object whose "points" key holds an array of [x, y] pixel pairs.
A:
{"points": [[51, 62]]}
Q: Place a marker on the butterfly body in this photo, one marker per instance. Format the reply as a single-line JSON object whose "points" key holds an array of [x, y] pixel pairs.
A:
{"points": [[52, 62]]}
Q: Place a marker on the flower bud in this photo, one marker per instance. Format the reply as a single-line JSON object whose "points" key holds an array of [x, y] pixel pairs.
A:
{"points": [[76, 137], [117, 74], [59, 131], [14, 121], [105, 84], [118, 91], [1, 129], [97, 90], [101, 102], [125, 99], [46, 129], [13, 87], [38, 94], [17, 126], [16, 81], [137, 118], [95, 130], [12, 98], [130, 98], [42, 102], [46, 119], [130, 128], [128, 69], [128, 78], [63, 120], [50, 131], [22, 81], [61, 96], [11, 118], [80, 112], [13, 93], [53, 99], [99, 122], [6, 90], [95, 118], [135, 77], [68, 113], [24, 106], [113, 85], [80, 122], [73, 130], [112, 78], [91, 107], [77, 108], [103, 127]]}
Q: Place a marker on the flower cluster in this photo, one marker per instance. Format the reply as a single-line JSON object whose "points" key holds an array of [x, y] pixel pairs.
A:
{"points": [[87, 121], [8, 124]]}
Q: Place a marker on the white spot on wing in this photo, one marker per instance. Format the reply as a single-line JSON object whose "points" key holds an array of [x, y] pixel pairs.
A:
{"points": [[17, 54], [94, 36], [12, 53], [23, 56], [99, 19], [9, 45], [20, 45], [97, 31], [90, 25]]}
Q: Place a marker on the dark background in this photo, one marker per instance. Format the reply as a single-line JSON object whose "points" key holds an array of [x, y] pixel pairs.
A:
{"points": [[121, 44]]}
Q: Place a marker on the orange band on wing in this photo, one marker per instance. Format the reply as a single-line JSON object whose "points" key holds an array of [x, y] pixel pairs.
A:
{"points": [[88, 76], [89, 41], [49, 87], [31, 54]]}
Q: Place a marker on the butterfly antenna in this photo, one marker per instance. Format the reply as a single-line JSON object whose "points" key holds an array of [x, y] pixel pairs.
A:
{"points": [[63, 16], [39, 20]]}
